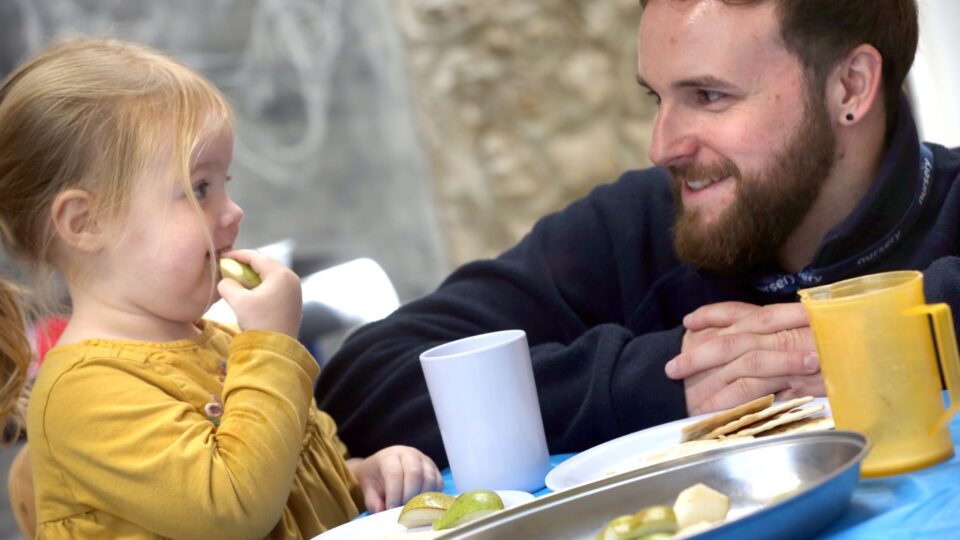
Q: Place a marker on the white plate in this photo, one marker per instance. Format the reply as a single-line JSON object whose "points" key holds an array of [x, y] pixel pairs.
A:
{"points": [[592, 464], [376, 526]]}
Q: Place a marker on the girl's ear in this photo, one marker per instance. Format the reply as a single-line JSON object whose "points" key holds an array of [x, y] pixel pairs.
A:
{"points": [[74, 215]]}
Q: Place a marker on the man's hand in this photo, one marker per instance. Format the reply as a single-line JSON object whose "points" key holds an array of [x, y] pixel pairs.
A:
{"points": [[734, 352], [707, 322], [393, 475]]}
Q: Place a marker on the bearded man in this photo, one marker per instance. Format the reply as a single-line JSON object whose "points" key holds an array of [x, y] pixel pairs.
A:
{"points": [[787, 157]]}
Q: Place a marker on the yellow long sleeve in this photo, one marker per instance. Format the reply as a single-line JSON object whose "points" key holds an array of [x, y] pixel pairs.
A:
{"points": [[129, 432]]}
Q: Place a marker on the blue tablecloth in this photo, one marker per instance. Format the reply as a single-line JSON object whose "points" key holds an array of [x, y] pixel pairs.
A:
{"points": [[921, 505]]}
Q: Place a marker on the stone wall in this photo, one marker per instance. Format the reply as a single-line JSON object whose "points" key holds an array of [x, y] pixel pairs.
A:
{"points": [[523, 107]]}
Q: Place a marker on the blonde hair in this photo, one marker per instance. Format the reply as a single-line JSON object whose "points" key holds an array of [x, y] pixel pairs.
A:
{"points": [[90, 114], [15, 357]]}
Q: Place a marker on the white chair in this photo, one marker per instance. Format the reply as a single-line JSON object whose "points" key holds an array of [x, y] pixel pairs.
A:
{"points": [[335, 301], [359, 291]]}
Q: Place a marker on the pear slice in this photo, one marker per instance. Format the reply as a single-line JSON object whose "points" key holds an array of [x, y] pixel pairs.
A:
{"points": [[468, 507], [650, 523], [700, 503], [652, 520], [617, 529], [424, 509], [240, 272]]}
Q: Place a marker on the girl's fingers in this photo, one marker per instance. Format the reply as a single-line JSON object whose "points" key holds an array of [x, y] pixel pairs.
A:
{"points": [[391, 471], [373, 497]]}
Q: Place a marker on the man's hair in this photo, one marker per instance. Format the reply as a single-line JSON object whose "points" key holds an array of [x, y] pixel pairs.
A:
{"points": [[821, 32]]}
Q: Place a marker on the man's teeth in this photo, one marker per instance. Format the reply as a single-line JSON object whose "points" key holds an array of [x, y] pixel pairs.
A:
{"points": [[700, 184]]}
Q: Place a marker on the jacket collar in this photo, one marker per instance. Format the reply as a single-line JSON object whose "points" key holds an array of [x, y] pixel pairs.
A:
{"points": [[885, 203], [877, 223]]}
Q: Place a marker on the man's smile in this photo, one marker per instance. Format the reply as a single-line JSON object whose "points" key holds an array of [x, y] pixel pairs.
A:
{"points": [[698, 184], [709, 196]]}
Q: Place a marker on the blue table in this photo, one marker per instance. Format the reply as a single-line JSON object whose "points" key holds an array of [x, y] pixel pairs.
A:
{"points": [[921, 505]]}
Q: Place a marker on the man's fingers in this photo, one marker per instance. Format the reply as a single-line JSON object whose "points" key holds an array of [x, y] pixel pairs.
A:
{"points": [[767, 364], [724, 349], [796, 366], [694, 338], [717, 315], [809, 385], [716, 352], [740, 392], [746, 389], [769, 319]]}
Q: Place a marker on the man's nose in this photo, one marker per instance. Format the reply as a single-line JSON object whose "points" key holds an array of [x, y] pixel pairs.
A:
{"points": [[673, 139]]}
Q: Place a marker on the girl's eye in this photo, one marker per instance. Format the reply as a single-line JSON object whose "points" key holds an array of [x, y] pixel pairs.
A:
{"points": [[654, 95], [200, 189]]}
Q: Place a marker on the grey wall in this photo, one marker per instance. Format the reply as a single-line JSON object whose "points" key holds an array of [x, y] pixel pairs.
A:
{"points": [[327, 153]]}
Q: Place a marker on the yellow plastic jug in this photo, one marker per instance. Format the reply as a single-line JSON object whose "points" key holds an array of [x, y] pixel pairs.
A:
{"points": [[879, 367]]}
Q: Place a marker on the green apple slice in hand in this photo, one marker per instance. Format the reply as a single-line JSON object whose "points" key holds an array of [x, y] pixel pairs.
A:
{"points": [[469, 506], [424, 509], [240, 272]]}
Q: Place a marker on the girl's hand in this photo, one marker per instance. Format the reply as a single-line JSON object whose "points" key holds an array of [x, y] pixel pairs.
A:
{"points": [[392, 476], [276, 304]]}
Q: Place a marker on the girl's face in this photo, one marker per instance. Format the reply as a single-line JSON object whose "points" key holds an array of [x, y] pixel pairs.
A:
{"points": [[161, 263]]}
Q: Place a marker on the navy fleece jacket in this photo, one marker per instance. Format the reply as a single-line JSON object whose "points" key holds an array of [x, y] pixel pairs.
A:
{"points": [[601, 295]]}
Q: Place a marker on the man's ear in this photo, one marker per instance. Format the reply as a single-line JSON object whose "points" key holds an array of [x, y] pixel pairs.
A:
{"points": [[74, 215], [854, 88]]}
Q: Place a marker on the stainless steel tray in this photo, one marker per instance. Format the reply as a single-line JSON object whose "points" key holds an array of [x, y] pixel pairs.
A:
{"points": [[783, 487]]}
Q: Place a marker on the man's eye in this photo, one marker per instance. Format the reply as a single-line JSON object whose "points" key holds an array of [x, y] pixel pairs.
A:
{"points": [[200, 190], [709, 96], [654, 95]]}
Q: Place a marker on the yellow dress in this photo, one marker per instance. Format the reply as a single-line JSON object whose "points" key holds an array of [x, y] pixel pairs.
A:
{"points": [[212, 437]]}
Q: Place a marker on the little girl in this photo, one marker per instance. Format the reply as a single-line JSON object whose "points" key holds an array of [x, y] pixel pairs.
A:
{"points": [[146, 421]]}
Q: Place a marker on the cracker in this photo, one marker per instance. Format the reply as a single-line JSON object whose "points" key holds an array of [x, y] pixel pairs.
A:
{"points": [[698, 429], [779, 420], [748, 419], [815, 423]]}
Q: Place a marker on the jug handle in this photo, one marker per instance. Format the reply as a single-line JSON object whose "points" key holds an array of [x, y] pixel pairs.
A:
{"points": [[949, 360]]}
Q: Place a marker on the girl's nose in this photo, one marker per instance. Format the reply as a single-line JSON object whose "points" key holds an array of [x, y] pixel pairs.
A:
{"points": [[232, 214]]}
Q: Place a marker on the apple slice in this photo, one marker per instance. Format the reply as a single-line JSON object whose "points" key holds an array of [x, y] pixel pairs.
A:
{"points": [[240, 272]]}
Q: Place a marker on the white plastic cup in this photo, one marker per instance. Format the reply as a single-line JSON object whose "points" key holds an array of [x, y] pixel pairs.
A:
{"points": [[485, 399]]}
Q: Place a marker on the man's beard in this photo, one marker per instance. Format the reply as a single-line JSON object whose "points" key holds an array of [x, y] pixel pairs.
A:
{"points": [[767, 206]]}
